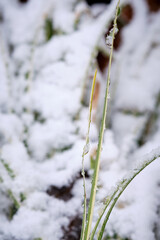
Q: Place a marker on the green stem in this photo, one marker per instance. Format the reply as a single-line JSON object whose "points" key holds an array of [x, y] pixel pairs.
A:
{"points": [[15, 201], [123, 185], [94, 53], [97, 162], [1, 179], [102, 213], [8, 169], [85, 151], [7, 70]]}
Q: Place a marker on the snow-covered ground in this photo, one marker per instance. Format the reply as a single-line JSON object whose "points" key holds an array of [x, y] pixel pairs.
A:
{"points": [[49, 50]]}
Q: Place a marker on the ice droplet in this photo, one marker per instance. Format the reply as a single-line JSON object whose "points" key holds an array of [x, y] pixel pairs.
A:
{"points": [[109, 37], [115, 31], [109, 41], [86, 148], [108, 97]]}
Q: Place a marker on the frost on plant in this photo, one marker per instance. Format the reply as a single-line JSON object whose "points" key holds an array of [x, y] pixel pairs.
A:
{"points": [[49, 51], [110, 37]]}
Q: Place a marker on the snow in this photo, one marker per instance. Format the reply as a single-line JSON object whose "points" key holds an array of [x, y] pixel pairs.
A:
{"points": [[43, 130]]}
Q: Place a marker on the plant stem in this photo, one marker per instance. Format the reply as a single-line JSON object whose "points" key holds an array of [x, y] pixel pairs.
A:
{"points": [[101, 215], [8, 169], [123, 185], [7, 70], [85, 151], [97, 162]]}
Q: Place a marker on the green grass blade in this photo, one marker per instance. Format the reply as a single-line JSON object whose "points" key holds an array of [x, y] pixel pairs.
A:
{"points": [[97, 162], [16, 205], [109, 200], [1, 179], [125, 182], [85, 151], [8, 169]]}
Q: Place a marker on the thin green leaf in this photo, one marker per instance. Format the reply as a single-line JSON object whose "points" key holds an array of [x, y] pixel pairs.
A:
{"points": [[119, 11], [125, 182], [1, 179], [97, 162], [16, 205], [8, 169], [85, 151], [102, 213]]}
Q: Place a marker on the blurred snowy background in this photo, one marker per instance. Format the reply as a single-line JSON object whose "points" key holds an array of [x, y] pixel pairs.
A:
{"points": [[49, 50]]}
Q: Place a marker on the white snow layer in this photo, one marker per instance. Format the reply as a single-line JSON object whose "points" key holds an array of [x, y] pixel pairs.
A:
{"points": [[43, 123]]}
